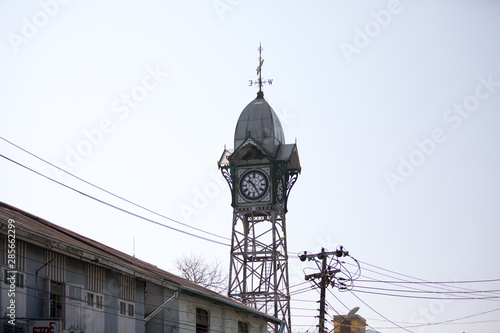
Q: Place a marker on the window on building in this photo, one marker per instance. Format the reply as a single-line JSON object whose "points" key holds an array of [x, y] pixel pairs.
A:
{"points": [[130, 310], [7, 328], [74, 293], [19, 278], [90, 299], [99, 301], [126, 308], [243, 327], [202, 321], [95, 300], [127, 294], [95, 285], [56, 299], [123, 308]]}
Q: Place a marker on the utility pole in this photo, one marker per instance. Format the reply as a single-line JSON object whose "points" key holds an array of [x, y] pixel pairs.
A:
{"points": [[325, 277], [322, 301]]}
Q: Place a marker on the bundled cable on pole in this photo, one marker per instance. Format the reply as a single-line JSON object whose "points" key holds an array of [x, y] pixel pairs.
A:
{"points": [[332, 273]]}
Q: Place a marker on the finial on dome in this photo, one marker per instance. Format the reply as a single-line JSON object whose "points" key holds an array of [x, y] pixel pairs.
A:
{"points": [[259, 81]]}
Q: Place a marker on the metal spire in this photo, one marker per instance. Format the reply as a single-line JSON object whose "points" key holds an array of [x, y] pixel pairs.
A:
{"points": [[259, 81], [259, 68]]}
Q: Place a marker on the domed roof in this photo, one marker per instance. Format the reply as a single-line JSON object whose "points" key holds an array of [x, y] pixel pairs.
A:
{"points": [[259, 121]]}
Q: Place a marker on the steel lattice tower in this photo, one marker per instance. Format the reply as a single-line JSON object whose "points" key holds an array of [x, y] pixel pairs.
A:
{"points": [[260, 171]]}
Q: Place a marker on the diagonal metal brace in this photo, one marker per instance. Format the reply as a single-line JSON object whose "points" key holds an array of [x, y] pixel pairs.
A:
{"points": [[148, 318]]}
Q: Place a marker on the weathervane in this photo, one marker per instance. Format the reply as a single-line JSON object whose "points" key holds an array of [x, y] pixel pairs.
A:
{"points": [[260, 82]]}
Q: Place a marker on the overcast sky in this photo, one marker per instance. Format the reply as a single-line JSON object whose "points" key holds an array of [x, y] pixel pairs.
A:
{"points": [[394, 106]]}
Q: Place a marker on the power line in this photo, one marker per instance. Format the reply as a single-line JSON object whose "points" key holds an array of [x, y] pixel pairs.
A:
{"points": [[430, 291], [447, 287], [111, 193], [430, 297], [300, 291], [466, 317], [327, 276], [338, 299], [393, 272], [113, 206], [299, 284], [436, 287], [432, 324], [431, 282], [304, 300], [378, 312], [450, 321]]}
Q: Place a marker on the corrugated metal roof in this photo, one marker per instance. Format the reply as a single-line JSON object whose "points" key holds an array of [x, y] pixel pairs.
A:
{"points": [[34, 229], [289, 153]]}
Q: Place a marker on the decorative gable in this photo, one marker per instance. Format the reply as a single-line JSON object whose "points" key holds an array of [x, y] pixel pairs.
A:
{"points": [[250, 153]]}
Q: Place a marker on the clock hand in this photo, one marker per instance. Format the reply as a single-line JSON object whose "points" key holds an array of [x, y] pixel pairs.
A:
{"points": [[255, 188]]}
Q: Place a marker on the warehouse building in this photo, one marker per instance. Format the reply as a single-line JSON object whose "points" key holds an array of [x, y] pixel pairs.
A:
{"points": [[55, 280]]}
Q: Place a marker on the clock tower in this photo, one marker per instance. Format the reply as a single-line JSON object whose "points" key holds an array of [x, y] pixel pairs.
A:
{"points": [[260, 171]]}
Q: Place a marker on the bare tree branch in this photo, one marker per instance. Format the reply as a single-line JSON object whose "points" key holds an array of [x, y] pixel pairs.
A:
{"points": [[197, 269]]}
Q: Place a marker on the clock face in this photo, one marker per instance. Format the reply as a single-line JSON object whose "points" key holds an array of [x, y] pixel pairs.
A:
{"points": [[279, 191], [253, 185]]}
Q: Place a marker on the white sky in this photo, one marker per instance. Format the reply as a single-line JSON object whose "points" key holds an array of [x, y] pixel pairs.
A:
{"points": [[356, 103]]}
